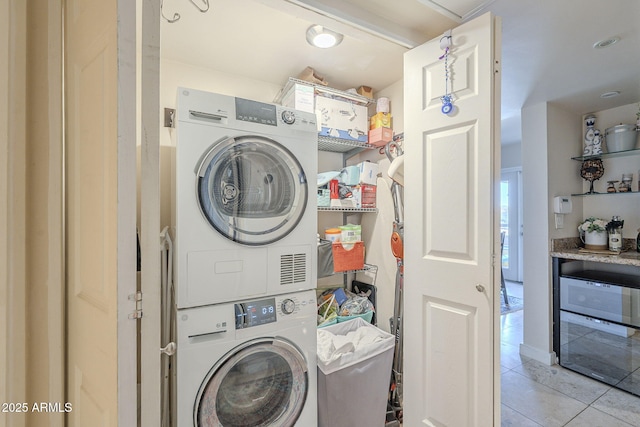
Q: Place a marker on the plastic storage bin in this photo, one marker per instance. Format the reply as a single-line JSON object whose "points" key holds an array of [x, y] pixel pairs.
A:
{"points": [[353, 387]]}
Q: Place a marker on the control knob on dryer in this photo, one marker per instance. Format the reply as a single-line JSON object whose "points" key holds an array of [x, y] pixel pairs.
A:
{"points": [[289, 117], [288, 306]]}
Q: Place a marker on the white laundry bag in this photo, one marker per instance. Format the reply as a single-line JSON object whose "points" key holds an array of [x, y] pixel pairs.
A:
{"points": [[354, 372]]}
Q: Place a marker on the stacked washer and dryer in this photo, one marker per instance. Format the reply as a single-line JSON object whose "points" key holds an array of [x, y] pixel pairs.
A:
{"points": [[245, 263]]}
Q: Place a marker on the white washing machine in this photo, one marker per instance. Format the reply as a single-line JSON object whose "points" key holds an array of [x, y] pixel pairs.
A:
{"points": [[247, 364], [244, 199]]}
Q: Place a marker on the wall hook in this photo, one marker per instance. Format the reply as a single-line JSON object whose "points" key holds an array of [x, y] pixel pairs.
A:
{"points": [[176, 15], [201, 9]]}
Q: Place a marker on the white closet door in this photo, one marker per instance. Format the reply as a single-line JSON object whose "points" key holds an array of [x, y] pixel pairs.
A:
{"points": [[100, 214], [451, 366]]}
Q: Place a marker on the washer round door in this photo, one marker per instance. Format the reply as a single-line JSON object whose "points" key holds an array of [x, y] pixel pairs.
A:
{"points": [[264, 382], [251, 189]]}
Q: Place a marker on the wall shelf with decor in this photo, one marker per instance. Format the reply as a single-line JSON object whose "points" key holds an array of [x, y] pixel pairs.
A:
{"points": [[592, 170], [605, 194], [625, 153]]}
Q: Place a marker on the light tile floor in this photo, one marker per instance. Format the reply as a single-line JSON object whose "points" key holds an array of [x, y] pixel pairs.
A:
{"points": [[534, 394]]}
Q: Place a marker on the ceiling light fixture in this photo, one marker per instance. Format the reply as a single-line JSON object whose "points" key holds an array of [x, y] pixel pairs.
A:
{"points": [[606, 42], [322, 37], [611, 94]]}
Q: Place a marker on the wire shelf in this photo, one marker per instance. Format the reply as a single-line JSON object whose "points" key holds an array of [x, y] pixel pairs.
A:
{"points": [[334, 209]]}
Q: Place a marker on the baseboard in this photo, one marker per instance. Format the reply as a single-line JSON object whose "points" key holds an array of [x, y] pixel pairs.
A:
{"points": [[548, 358]]}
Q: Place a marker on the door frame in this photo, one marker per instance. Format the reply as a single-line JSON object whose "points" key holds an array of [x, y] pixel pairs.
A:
{"points": [[127, 121], [149, 121], [13, 70]]}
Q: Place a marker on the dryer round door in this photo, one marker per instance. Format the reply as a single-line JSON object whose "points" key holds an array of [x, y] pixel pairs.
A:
{"points": [[261, 383], [251, 189]]}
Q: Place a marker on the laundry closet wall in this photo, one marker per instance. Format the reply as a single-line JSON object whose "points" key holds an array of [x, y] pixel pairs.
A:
{"points": [[376, 228], [31, 252]]}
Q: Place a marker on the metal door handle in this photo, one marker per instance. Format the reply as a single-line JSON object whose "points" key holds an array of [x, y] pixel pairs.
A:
{"points": [[479, 288]]}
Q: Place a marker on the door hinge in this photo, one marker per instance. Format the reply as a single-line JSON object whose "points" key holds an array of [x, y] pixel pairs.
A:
{"points": [[137, 298], [169, 117]]}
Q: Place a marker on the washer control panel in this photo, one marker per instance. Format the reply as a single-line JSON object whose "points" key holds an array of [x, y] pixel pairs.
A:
{"points": [[273, 309], [255, 313], [294, 304]]}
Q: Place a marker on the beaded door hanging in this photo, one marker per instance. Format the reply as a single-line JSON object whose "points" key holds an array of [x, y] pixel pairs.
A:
{"points": [[447, 98]]}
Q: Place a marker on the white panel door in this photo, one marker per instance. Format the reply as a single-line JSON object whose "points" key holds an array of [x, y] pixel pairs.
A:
{"points": [[452, 229], [100, 214]]}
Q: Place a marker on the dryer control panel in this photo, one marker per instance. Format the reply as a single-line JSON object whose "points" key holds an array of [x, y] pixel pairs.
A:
{"points": [[256, 112]]}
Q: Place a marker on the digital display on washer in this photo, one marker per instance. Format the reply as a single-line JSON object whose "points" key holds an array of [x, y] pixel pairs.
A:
{"points": [[256, 112], [255, 313]]}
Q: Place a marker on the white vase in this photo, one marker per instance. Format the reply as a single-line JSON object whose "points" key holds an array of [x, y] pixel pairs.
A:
{"points": [[596, 240]]}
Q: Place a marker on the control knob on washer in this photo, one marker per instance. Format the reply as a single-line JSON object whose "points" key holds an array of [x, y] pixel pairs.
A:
{"points": [[288, 306], [289, 117]]}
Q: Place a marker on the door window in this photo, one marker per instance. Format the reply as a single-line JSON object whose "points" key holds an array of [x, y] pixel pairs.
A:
{"points": [[262, 383], [251, 189]]}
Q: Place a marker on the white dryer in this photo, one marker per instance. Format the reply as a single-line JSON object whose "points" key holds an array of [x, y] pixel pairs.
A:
{"points": [[244, 199], [247, 364]]}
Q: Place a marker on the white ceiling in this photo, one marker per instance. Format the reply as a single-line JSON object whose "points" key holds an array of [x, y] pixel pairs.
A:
{"points": [[547, 48]]}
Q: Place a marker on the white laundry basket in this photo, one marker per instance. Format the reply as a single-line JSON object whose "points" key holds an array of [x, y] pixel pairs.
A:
{"points": [[353, 385]]}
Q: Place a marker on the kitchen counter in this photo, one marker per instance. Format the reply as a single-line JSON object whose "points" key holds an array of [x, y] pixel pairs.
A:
{"points": [[569, 248]]}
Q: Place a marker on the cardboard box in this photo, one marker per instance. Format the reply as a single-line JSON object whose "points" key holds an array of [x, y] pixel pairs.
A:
{"points": [[365, 91], [368, 173], [340, 118], [365, 196], [380, 120], [380, 136], [300, 97]]}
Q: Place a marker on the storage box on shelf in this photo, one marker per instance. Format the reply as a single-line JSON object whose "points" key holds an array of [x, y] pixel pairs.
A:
{"points": [[354, 187], [340, 114], [380, 120], [348, 256], [379, 137], [341, 118]]}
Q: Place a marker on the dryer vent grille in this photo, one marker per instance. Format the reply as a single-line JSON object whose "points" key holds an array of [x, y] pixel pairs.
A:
{"points": [[293, 269]]}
